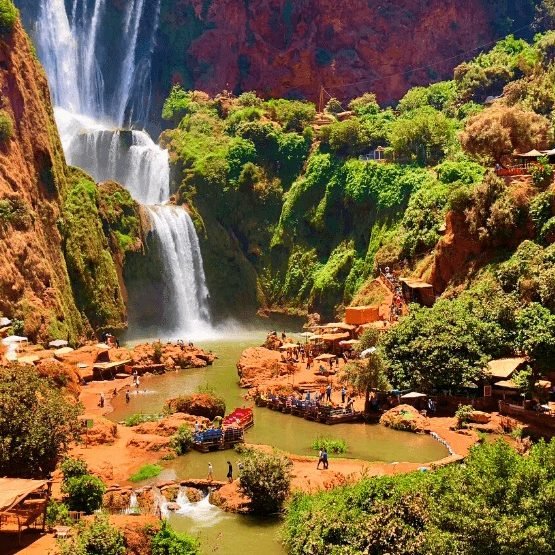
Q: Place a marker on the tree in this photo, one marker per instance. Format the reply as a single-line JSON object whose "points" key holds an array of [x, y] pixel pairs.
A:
{"points": [[98, 537], [365, 105], [422, 135], [265, 479], [347, 137], [168, 542], [37, 423], [536, 334], [368, 373], [445, 346], [84, 492], [497, 132]]}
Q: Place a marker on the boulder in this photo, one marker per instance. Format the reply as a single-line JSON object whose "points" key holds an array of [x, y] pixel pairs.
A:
{"points": [[404, 417], [480, 417]]}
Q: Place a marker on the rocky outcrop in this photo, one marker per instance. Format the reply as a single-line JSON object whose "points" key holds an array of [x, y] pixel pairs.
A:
{"points": [[165, 356], [34, 282], [405, 418], [168, 426], [198, 404], [256, 365]]}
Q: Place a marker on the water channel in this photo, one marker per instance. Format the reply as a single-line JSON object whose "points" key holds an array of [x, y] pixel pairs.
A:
{"points": [[228, 533]]}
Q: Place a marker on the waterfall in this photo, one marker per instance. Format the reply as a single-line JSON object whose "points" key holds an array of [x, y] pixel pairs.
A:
{"points": [[186, 295], [97, 90]]}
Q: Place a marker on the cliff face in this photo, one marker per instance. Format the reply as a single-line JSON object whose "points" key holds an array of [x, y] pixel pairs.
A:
{"points": [[37, 221], [286, 48], [34, 284]]}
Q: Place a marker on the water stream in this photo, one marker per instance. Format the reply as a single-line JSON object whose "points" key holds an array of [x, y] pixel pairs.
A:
{"points": [[97, 96]]}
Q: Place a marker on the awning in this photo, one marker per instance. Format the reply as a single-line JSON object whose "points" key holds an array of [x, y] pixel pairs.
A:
{"points": [[58, 343], [367, 352], [13, 339], [110, 365], [350, 342], [413, 395], [325, 356], [531, 154], [503, 367], [4, 322], [15, 490], [334, 336], [339, 326], [286, 346], [506, 384], [416, 283]]}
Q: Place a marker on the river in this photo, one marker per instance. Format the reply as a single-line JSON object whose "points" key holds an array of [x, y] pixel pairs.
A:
{"points": [[234, 534]]}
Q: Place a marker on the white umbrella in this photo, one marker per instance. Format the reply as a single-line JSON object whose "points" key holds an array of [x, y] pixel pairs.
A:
{"points": [[13, 339], [367, 352], [413, 395], [4, 322], [58, 343]]}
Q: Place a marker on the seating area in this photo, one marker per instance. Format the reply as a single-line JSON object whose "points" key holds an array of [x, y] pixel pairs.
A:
{"points": [[22, 505]]}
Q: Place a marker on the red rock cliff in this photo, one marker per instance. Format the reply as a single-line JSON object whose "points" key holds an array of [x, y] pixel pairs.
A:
{"points": [[288, 48]]}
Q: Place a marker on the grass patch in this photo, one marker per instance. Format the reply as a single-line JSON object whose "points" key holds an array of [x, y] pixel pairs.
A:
{"points": [[145, 472], [330, 444], [140, 418]]}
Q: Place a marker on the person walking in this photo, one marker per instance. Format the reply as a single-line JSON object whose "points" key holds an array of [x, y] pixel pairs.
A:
{"points": [[210, 476], [229, 472], [101, 401], [127, 396], [325, 458], [343, 395], [328, 393], [320, 459], [137, 383]]}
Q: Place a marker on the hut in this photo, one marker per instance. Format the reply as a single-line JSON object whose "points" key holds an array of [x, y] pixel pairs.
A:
{"points": [[417, 291]]}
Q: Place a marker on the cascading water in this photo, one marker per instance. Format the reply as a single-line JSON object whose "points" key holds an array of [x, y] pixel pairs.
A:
{"points": [[94, 102]]}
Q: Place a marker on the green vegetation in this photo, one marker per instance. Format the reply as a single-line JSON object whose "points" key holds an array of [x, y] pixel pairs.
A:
{"points": [[8, 17], [169, 542], [182, 440], [89, 261], [140, 418], [146, 472], [498, 502], [57, 514], [94, 538], [6, 124], [330, 444], [84, 493], [37, 423], [206, 404], [463, 414], [265, 479]]}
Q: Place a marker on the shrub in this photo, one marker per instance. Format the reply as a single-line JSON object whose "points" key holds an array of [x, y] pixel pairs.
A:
{"points": [[500, 130], [182, 440], [139, 418], [84, 493], [37, 423], [157, 352], [265, 479], [208, 405], [331, 445], [98, 537], [463, 414], [169, 542], [73, 468], [146, 472], [57, 514], [6, 126], [8, 17], [542, 173]]}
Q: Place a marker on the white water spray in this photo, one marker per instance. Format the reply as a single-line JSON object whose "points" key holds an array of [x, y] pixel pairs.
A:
{"points": [[94, 138]]}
